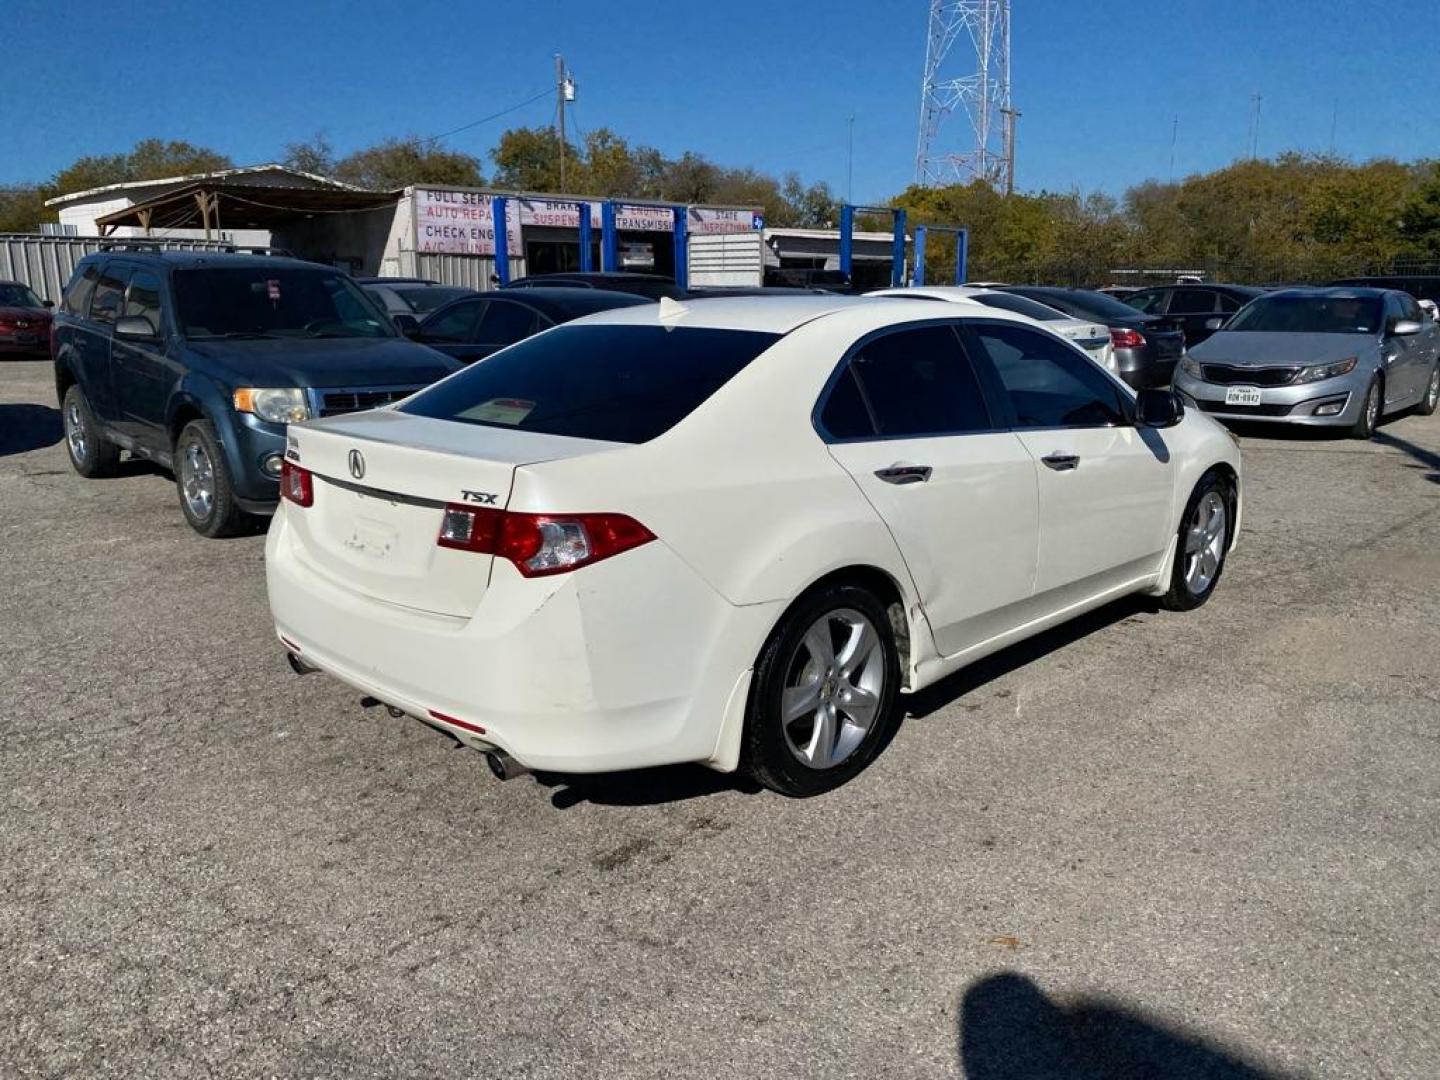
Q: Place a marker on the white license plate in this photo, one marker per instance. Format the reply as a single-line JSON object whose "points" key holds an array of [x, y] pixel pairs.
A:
{"points": [[1242, 395]]}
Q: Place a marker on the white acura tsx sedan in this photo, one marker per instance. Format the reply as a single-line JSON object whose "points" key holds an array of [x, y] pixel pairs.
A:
{"points": [[732, 531]]}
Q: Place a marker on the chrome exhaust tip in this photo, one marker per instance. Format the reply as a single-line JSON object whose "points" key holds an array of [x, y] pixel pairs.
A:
{"points": [[299, 666], [503, 766]]}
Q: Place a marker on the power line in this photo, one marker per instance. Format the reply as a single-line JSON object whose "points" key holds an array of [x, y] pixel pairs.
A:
{"points": [[493, 116]]}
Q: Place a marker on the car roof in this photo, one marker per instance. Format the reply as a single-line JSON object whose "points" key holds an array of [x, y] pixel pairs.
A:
{"points": [[191, 260], [556, 301], [400, 281], [1333, 292], [937, 292], [782, 314]]}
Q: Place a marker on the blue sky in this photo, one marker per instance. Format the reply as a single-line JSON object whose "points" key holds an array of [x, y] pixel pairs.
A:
{"points": [[745, 83]]}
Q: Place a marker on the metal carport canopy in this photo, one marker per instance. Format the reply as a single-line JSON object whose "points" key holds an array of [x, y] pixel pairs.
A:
{"points": [[208, 205]]}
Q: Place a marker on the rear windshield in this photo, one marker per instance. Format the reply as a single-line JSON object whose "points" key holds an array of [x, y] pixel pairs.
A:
{"points": [[1087, 305], [274, 302], [1309, 315], [1020, 305], [616, 383], [426, 298]]}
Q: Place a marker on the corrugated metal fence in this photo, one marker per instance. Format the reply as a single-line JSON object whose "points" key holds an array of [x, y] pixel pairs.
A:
{"points": [[45, 263]]}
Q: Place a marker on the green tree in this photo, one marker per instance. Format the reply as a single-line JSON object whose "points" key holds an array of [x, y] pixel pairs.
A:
{"points": [[528, 159], [22, 208], [396, 163]]}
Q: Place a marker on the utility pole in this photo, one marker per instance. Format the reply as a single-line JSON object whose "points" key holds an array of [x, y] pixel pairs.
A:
{"points": [[564, 92], [1334, 116], [1011, 115], [1174, 134], [1255, 126]]}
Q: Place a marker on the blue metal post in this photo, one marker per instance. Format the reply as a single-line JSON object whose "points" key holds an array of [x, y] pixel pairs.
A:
{"points": [[609, 246], [502, 240], [897, 252], [587, 261], [847, 236], [682, 248], [918, 277], [962, 255]]}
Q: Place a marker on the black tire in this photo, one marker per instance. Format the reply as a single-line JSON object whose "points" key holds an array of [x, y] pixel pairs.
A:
{"points": [[1366, 422], [1183, 595], [220, 515], [91, 454], [1432, 394], [766, 749]]}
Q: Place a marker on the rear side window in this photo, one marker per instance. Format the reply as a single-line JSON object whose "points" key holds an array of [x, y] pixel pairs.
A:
{"points": [[1192, 302], [913, 382], [82, 287], [617, 383], [1048, 383], [506, 322], [109, 296], [1152, 303], [456, 324], [1229, 304]]}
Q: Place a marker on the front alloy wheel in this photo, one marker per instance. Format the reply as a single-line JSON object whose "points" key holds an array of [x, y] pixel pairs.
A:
{"points": [[1204, 538], [1431, 399], [823, 700]]}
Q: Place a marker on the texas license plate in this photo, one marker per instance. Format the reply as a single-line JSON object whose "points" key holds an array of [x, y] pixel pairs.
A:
{"points": [[1242, 395]]}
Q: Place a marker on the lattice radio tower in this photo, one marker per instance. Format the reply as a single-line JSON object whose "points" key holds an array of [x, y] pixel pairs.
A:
{"points": [[984, 93]]}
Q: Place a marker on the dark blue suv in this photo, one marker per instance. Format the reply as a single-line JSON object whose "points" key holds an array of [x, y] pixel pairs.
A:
{"points": [[197, 361]]}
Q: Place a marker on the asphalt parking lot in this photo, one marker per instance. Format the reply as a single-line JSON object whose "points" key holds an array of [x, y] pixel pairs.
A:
{"points": [[1198, 845]]}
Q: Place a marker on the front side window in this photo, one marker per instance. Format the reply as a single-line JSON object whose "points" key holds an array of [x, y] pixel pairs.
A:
{"points": [[615, 383], [1229, 304], [913, 382], [259, 301], [1049, 384], [1151, 302], [109, 296], [142, 299]]}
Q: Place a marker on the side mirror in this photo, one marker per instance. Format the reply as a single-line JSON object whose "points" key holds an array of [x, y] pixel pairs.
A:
{"points": [[1158, 408], [407, 325], [1214, 324], [136, 328], [1405, 327], [47, 303]]}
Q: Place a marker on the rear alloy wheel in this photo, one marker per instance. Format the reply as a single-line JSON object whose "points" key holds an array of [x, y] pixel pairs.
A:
{"points": [[1370, 410], [824, 697], [1205, 532], [207, 496], [91, 454], [1432, 393]]}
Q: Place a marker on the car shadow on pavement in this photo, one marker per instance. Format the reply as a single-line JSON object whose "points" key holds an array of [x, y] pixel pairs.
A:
{"points": [[28, 427], [973, 676], [642, 787], [1427, 459], [1010, 1030]]}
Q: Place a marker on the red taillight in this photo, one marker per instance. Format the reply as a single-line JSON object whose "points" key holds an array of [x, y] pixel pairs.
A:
{"points": [[296, 484], [1127, 339], [7, 324], [540, 544]]}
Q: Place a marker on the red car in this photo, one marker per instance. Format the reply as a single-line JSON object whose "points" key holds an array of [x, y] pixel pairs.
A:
{"points": [[24, 321]]}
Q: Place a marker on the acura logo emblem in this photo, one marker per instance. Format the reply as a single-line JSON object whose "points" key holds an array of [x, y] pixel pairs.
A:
{"points": [[357, 465]]}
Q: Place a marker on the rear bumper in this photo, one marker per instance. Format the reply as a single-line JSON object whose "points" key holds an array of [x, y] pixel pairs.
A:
{"points": [[1141, 370], [624, 664]]}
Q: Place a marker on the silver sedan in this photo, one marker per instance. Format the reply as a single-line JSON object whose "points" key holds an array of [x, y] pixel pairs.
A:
{"points": [[1341, 357]]}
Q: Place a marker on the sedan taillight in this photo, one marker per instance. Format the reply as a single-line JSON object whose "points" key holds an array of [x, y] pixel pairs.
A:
{"points": [[1127, 339], [296, 484], [540, 544]]}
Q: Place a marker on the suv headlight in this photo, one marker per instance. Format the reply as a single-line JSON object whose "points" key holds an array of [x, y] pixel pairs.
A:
{"points": [[283, 405], [1190, 366], [1316, 372]]}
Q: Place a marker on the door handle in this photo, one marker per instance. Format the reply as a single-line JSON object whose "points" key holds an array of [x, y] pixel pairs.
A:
{"points": [[904, 474], [1062, 462]]}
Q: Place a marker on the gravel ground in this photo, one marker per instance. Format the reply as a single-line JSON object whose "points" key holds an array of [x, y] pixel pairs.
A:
{"points": [[1150, 845]]}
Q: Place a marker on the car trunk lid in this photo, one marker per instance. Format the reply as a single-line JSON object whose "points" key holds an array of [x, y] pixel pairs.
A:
{"points": [[381, 482]]}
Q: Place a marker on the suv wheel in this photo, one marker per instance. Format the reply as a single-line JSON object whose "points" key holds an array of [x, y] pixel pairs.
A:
{"points": [[207, 496], [90, 452], [823, 701]]}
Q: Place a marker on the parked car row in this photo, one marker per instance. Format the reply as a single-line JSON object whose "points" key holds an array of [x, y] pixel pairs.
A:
{"points": [[585, 529]]}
